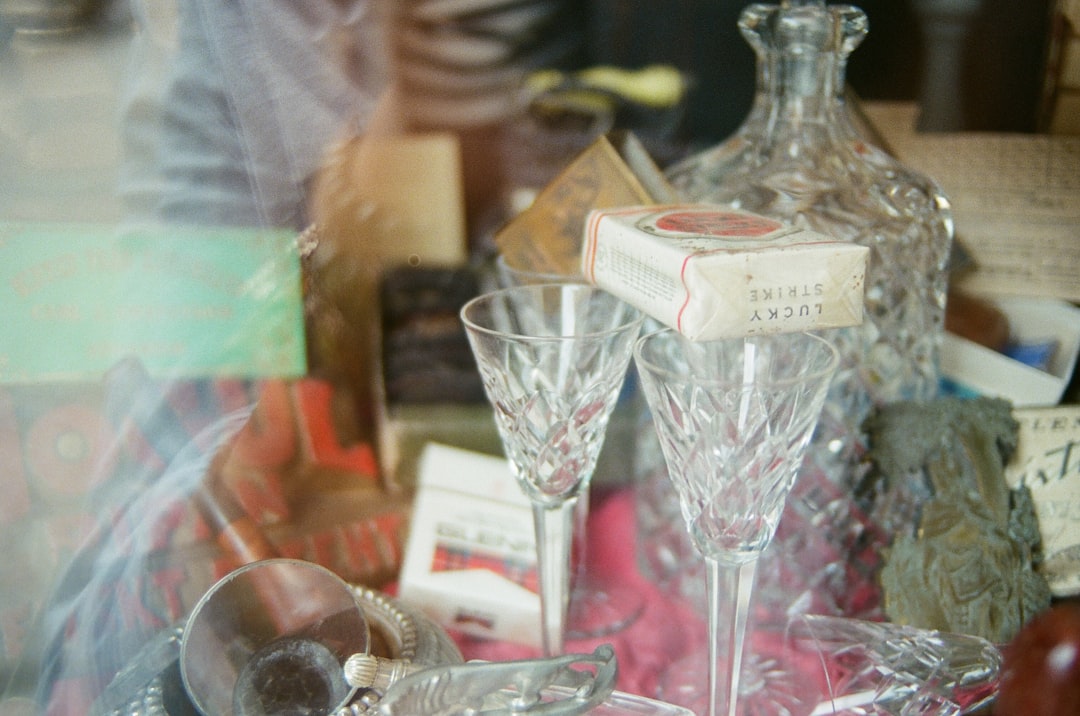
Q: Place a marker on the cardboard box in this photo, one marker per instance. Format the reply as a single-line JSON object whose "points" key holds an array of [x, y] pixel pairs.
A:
{"points": [[614, 171], [406, 430], [424, 383], [392, 199], [712, 272], [470, 563], [1014, 201], [971, 369]]}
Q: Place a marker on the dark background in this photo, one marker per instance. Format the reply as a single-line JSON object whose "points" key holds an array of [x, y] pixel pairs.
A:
{"points": [[998, 88]]}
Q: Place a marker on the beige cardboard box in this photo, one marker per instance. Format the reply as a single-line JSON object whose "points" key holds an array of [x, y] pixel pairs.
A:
{"points": [[614, 171], [712, 272], [1015, 200]]}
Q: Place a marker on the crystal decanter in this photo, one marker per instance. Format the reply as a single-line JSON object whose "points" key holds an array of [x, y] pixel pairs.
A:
{"points": [[799, 157]]}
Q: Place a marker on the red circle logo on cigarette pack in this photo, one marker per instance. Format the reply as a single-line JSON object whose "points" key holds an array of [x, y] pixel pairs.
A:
{"points": [[718, 223]]}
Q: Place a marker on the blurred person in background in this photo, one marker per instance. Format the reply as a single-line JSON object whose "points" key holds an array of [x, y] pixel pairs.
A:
{"points": [[229, 106]]}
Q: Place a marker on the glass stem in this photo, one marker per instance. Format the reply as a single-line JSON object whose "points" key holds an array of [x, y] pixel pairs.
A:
{"points": [[580, 555], [554, 537], [729, 590]]}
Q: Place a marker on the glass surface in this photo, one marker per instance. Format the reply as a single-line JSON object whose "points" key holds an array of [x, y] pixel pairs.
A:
{"points": [[883, 668], [552, 358], [734, 418], [273, 637], [80, 142], [813, 665], [798, 157], [509, 275], [598, 606]]}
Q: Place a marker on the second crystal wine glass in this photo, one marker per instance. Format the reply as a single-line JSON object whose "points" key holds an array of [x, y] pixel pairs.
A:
{"points": [[552, 359], [733, 417]]}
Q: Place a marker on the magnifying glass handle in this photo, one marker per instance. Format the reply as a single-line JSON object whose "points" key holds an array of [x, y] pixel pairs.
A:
{"points": [[367, 671]]}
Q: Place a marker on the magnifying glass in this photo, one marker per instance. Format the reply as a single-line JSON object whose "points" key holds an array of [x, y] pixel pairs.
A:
{"points": [[273, 637]]}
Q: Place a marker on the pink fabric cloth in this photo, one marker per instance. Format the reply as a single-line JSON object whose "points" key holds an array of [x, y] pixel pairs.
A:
{"points": [[664, 632]]}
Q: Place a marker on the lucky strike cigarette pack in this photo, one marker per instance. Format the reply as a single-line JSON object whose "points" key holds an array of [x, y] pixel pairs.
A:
{"points": [[712, 272]]}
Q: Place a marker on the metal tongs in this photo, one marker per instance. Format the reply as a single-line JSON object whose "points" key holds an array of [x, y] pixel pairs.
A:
{"points": [[547, 686]]}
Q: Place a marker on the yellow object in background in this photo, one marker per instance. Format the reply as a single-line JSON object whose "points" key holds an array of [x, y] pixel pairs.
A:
{"points": [[656, 86]]}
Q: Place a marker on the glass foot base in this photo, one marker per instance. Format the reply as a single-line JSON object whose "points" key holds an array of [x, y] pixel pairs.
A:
{"points": [[597, 610], [767, 686]]}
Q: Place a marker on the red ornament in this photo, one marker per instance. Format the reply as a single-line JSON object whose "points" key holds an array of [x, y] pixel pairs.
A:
{"points": [[1041, 669]]}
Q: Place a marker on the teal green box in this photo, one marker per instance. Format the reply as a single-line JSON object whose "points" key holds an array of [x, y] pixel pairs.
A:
{"points": [[186, 302]]}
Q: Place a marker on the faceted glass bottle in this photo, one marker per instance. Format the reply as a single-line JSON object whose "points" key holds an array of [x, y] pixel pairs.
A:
{"points": [[799, 157]]}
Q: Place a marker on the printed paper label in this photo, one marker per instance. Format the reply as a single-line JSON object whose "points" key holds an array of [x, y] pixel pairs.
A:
{"points": [[185, 302], [1047, 461]]}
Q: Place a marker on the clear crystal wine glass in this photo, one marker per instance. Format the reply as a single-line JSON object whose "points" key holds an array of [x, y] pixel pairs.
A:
{"points": [[734, 417], [598, 605], [552, 358]]}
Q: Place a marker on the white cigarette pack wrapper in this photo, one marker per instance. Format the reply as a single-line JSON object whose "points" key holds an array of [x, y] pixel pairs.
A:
{"points": [[470, 563], [712, 272]]}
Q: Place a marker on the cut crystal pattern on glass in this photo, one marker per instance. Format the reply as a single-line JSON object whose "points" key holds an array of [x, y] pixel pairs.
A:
{"points": [[734, 448], [552, 358], [733, 418], [799, 157], [817, 665], [883, 668], [553, 391]]}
